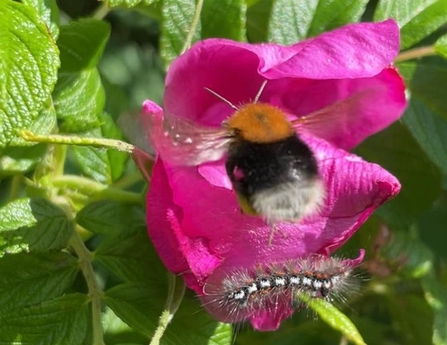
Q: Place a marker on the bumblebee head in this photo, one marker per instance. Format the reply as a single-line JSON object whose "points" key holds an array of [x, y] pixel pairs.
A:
{"points": [[259, 123]]}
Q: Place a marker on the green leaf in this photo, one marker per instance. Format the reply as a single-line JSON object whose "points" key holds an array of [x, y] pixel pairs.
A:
{"points": [[429, 130], [112, 218], [412, 318], [49, 12], [62, 321], [258, 18], [435, 295], [177, 17], [130, 3], [431, 227], [14, 160], [200, 330], [427, 80], [292, 21], [34, 225], [441, 46], [104, 166], [79, 100], [222, 334], [82, 43], [396, 150], [417, 19], [28, 69], [116, 331], [27, 279], [224, 18], [333, 317], [140, 307], [137, 305], [130, 258], [418, 258]]}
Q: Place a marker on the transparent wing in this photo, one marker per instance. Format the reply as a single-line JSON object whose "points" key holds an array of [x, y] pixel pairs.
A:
{"points": [[178, 141], [330, 118]]}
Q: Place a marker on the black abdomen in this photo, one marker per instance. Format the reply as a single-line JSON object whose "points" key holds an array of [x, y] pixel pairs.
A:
{"points": [[253, 167]]}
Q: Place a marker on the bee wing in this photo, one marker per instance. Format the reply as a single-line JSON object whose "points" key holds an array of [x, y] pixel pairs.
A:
{"points": [[330, 118], [179, 141]]}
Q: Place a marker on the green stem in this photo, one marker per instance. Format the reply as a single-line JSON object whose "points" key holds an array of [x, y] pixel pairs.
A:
{"points": [[415, 53], [94, 291], [192, 29], [176, 291], [95, 189], [102, 10], [78, 141], [128, 180], [16, 183], [59, 156]]}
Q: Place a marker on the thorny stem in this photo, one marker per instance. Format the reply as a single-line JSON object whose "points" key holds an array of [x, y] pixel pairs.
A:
{"points": [[194, 23], [94, 291], [176, 290], [416, 53]]}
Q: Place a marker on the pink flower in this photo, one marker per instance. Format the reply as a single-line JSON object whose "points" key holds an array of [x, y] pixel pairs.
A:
{"points": [[193, 216]]}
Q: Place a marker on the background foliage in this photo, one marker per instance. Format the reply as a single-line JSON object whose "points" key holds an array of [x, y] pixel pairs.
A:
{"points": [[76, 265]]}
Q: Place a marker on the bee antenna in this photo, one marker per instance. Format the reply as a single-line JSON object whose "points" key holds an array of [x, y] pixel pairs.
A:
{"points": [[261, 90], [221, 98]]}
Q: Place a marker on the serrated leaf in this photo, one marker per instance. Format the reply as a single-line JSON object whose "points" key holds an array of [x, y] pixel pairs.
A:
{"points": [[396, 150], [177, 17], [14, 160], [201, 330], [222, 334], [417, 19], [28, 69], [27, 279], [82, 43], [292, 21], [224, 18], [441, 46], [130, 3], [333, 317], [34, 225], [140, 307], [111, 218], [62, 321], [130, 258], [104, 166], [136, 305], [49, 12], [116, 331], [79, 100], [435, 295]]}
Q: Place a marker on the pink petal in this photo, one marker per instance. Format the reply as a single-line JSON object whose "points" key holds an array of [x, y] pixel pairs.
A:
{"points": [[209, 230], [235, 70]]}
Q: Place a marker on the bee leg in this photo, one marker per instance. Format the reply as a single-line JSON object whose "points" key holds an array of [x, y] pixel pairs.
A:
{"points": [[273, 229], [272, 233]]}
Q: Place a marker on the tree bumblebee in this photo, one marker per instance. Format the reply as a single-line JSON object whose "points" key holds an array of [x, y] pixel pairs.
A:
{"points": [[273, 172]]}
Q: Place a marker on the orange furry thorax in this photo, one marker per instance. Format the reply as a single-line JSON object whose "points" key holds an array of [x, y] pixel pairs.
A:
{"points": [[260, 123]]}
